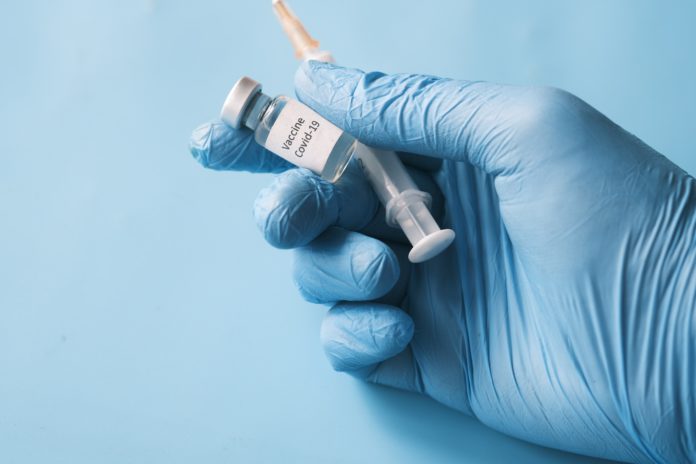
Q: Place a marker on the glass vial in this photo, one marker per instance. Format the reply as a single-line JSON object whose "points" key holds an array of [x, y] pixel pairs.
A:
{"points": [[289, 129]]}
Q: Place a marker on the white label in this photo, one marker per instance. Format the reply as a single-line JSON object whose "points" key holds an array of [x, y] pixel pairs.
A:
{"points": [[302, 137]]}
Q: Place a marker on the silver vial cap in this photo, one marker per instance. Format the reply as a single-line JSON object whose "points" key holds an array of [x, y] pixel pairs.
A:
{"points": [[238, 100]]}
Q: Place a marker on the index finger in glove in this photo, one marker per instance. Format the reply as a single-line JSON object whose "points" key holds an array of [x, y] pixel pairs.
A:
{"points": [[218, 146]]}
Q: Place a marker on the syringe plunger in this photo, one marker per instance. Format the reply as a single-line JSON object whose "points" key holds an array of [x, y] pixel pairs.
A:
{"points": [[404, 204]]}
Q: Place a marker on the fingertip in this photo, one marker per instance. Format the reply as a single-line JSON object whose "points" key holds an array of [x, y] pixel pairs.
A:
{"points": [[308, 80], [295, 209], [312, 66], [326, 86], [217, 146], [312, 72], [355, 100], [356, 337], [200, 142]]}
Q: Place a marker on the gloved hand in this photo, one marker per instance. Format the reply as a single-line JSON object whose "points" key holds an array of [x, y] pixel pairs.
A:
{"points": [[564, 315]]}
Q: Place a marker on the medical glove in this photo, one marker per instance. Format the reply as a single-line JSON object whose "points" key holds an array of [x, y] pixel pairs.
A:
{"points": [[565, 314]]}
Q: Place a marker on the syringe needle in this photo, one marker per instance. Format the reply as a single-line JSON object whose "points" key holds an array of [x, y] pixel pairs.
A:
{"points": [[300, 39]]}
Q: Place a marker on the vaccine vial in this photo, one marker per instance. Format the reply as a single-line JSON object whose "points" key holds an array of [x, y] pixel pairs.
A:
{"points": [[289, 129]]}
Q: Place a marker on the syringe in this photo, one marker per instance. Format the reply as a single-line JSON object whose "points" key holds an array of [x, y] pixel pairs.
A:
{"points": [[405, 205]]}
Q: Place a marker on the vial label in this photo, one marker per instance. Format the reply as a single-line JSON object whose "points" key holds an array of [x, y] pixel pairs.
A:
{"points": [[302, 137]]}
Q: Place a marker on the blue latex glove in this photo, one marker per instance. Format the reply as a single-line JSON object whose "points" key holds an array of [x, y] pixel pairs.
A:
{"points": [[564, 315]]}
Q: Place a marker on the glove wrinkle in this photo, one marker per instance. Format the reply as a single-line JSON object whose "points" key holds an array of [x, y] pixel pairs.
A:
{"points": [[343, 265], [356, 337]]}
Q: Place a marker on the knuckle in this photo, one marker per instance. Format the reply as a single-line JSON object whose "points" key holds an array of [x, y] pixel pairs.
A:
{"points": [[545, 107]]}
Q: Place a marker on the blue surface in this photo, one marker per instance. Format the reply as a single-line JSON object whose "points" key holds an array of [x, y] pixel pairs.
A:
{"points": [[142, 318]]}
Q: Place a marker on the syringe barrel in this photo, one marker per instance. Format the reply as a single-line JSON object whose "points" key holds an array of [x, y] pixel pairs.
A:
{"points": [[405, 206], [385, 172], [416, 221]]}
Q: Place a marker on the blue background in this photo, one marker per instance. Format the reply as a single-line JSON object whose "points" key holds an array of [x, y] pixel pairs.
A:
{"points": [[142, 317]]}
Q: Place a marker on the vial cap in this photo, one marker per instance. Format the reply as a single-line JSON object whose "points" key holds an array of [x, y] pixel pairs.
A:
{"points": [[238, 100]]}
